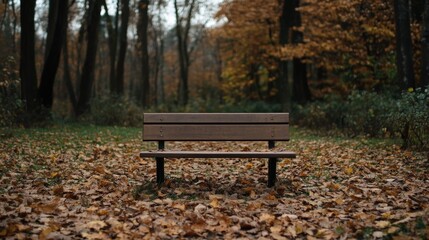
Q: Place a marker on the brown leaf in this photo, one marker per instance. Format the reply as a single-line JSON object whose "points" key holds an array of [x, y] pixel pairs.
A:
{"points": [[96, 225]]}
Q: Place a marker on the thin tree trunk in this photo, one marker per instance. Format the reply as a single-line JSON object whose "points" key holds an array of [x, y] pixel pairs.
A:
{"points": [[122, 47], [27, 71], [67, 75], [404, 61], [160, 79], [143, 39], [54, 44], [301, 92], [15, 20], [112, 38], [52, 20], [283, 85], [87, 78], [425, 46], [157, 62], [182, 34]]}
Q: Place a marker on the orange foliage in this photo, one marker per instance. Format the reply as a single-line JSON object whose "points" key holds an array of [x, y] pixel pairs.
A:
{"points": [[246, 37], [353, 39]]}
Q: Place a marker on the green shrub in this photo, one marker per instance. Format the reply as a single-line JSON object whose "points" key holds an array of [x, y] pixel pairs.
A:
{"points": [[114, 110], [11, 105], [371, 114], [409, 118], [326, 114], [366, 113]]}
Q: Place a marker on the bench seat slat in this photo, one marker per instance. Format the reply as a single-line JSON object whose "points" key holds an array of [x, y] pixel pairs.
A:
{"points": [[218, 118], [199, 154], [215, 132]]}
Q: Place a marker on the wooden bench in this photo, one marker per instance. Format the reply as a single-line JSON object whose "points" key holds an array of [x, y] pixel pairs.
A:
{"points": [[163, 127]]}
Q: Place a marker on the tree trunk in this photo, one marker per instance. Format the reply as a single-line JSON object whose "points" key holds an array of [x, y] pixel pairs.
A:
{"points": [[27, 71], [424, 81], [404, 61], [52, 20], [67, 75], [160, 79], [158, 45], [14, 24], [301, 93], [53, 53], [112, 38], [122, 47], [182, 34], [142, 33], [283, 85], [87, 78]]}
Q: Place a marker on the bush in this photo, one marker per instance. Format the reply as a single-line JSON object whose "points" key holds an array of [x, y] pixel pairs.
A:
{"points": [[409, 118], [371, 114], [114, 110], [366, 113], [11, 105]]}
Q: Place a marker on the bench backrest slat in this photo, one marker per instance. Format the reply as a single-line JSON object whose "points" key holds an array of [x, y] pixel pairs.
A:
{"points": [[216, 118], [216, 127]]}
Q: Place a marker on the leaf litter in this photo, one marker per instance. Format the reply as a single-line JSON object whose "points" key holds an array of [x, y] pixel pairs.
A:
{"points": [[62, 185]]}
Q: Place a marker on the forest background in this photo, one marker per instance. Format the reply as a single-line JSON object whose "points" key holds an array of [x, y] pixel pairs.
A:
{"points": [[358, 66]]}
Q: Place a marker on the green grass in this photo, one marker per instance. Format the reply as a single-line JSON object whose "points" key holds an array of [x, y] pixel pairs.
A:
{"points": [[62, 137]]}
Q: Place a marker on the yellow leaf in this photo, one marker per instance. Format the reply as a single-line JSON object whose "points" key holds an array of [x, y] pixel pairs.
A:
{"points": [[249, 166], [382, 224], [179, 206], [339, 201], [54, 174], [276, 228], [266, 217], [348, 170], [392, 230], [214, 203], [96, 225]]}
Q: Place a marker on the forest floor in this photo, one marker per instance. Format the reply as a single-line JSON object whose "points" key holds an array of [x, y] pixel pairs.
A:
{"points": [[77, 181]]}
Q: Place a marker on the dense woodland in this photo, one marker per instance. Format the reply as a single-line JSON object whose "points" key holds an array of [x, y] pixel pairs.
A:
{"points": [[110, 59]]}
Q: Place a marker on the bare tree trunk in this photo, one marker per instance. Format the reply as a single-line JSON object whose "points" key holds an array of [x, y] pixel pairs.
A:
{"points": [[404, 53], [301, 92], [27, 71], [87, 79], [15, 20], [112, 38], [283, 85], [182, 34], [425, 46], [122, 47], [58, 20], [67, 75], [160, 80], [142, 33]]}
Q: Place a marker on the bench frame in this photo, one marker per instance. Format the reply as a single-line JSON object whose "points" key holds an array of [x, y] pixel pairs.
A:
{"points": [[163, 127]]}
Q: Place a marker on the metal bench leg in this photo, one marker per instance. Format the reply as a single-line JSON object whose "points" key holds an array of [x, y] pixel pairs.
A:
{"points": [[160, 164], [272, 164], [159, 170]]}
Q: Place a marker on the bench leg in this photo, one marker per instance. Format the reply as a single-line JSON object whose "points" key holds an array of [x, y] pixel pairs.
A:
{"points": [[272, 164], [159, 170]]}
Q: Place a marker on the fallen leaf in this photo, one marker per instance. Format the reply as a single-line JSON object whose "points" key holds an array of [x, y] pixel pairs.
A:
{"points": [[382, 224]]}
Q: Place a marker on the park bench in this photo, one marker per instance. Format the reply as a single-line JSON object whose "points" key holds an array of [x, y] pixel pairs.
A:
{"points": [[163, 127]]}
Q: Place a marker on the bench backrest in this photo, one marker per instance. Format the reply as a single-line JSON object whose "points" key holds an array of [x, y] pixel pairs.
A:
{"points": [[216, 127]]}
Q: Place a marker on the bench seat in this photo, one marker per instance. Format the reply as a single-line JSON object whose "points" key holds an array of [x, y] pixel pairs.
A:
{"points": [[196, 154]]}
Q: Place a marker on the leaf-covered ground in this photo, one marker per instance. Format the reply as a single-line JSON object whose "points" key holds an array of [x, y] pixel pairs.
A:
{"points": [[71, 182]]}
